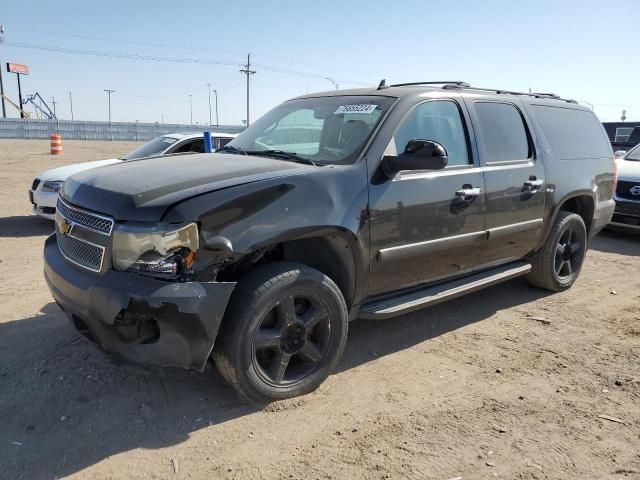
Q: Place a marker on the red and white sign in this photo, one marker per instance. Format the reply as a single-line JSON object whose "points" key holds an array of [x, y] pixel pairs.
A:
{"points": [[17, 68]]}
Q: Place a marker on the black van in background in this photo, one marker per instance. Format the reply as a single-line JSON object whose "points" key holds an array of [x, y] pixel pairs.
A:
{"points": [[623, 135]]}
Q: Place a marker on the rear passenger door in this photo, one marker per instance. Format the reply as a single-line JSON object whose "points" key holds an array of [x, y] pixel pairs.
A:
{"points": [[424, 227], [514, 179]]}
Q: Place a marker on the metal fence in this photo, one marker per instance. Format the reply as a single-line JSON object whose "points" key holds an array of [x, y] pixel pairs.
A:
{"points": [[77, 130]]}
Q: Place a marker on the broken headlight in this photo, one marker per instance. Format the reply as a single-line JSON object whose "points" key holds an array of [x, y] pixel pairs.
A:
{"points": [[162, 251]]}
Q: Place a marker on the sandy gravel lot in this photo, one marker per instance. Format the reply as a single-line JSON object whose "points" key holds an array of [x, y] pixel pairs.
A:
{"points": [[471, 389]]}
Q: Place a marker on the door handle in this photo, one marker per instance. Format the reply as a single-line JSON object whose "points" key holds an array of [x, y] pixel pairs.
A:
{"points": [[467, 192], [533, 183]]}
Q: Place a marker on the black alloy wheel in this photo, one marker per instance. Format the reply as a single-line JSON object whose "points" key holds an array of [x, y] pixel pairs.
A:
{"points": [[569, 253], [283, 332], [557, 264], [292, 339]]}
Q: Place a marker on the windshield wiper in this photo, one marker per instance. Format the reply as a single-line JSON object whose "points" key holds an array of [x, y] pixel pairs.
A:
{"points": [[282, 154], [232, 149]]}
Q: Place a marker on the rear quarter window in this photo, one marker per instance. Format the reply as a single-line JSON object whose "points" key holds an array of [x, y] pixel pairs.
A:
{"points": [[504, 135], [572, 134]]}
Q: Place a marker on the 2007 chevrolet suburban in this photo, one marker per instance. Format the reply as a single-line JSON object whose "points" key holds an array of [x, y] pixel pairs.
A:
{"points": [[375, 203]]}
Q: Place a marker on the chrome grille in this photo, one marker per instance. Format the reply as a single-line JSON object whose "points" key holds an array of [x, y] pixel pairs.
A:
{"points": [[83, 237], [81, 253], [90, 221]]}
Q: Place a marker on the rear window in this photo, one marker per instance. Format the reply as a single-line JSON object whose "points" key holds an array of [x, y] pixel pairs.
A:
{"points": [[504, 137], [572, 134]]}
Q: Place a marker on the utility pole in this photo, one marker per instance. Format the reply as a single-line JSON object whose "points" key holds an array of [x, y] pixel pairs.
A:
{"points": [[216, 94], [53, 101], [335, 84], [209, 87], [162, 118], [248, 72], [4, 110], [71, 105], [20, 96], [109, 92], [191, 109]]}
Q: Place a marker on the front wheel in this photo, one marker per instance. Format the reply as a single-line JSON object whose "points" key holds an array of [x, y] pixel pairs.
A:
{"points": [[283, 333], [557, 266]]}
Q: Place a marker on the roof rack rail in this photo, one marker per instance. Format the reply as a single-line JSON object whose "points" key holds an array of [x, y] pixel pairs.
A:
{"points": [[456, 83], [541, 94], [460, 84], [552, 96]]}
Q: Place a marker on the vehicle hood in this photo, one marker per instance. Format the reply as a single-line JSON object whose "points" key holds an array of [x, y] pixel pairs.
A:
{"points": [[142, 190], [61, 173], [628, 169]]}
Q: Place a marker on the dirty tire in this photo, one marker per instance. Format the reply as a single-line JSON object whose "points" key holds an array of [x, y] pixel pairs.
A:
{"points": [[557, 265], [283, 332]]}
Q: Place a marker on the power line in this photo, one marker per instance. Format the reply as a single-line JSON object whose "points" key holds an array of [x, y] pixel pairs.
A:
{"points": [[130, 56], [181, 47], [156, 58], [129, 42], [318, 76]]}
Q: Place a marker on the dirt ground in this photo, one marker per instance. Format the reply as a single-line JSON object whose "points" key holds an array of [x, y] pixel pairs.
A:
{"points": [[472, 389]]}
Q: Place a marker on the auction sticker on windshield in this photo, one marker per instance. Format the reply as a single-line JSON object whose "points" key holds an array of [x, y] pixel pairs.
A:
{"points": [[362, 108]]}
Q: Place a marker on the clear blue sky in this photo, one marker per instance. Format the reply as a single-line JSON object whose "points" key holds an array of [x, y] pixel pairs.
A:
{"points": [[585, 50]]}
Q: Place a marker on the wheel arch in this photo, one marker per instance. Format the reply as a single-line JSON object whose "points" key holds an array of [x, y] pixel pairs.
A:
{"points": [[581, 202], [334, 251]]}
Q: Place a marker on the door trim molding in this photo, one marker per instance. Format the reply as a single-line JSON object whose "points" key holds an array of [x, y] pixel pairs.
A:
{"points": [[506, 230], [430, 246], [467, 239]]}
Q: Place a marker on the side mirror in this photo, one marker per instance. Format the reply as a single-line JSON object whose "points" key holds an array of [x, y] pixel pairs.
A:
{"points": [[619, 153], [417, 155]]}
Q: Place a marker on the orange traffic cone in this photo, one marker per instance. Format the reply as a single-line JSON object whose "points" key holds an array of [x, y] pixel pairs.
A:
{"points": [[56, 144]]}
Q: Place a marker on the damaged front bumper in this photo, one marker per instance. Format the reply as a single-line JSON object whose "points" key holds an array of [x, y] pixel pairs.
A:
{"points": [[138, 319]]}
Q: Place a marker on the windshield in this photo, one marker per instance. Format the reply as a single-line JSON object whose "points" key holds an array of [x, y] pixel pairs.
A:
{"points": [[633, 154], [150, 149], [324, 130]]}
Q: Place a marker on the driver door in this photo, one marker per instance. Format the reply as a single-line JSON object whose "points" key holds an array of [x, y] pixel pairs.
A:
{"points": [[422, 228]]}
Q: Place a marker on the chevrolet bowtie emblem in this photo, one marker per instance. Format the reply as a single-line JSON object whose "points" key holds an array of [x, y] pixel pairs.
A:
{"points": [[65, 226]]}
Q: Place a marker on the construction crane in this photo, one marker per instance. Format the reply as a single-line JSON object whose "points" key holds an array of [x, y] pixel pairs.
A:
{"points": [[15, 105], [40, 105]]}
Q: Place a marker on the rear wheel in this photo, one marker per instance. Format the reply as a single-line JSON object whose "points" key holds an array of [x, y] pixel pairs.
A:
{"points": [[557, 266], [283, 333]]}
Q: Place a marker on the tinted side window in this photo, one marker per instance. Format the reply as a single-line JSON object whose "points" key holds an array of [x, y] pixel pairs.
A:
{"points": [[191, 146], [440, 122], [504, 136], [198, 146], [572, 134]]}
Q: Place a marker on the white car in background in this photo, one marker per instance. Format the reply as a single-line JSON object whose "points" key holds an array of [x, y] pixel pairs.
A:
{"points": [[626, 216], [45, 187]]}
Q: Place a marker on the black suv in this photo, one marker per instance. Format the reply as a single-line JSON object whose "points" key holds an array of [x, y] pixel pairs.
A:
{"points": [[365, 203]]}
